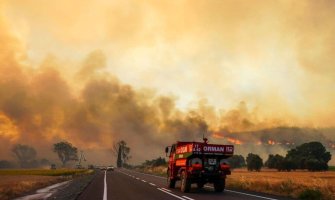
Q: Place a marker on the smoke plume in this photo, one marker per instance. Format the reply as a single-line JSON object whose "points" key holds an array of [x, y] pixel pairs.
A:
{"points": [[255, 74]]}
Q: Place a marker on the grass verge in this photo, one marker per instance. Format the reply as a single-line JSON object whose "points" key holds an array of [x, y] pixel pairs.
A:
{"points": [[331, 168], [17, 182], [297, 184], [45, 172]]}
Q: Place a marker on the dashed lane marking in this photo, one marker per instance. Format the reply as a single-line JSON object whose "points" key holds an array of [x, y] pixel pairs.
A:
{"points": [[146, 174], [252, 195], [188, 198], [178, 197], [231, 191], [161, 189], [166, 189]]}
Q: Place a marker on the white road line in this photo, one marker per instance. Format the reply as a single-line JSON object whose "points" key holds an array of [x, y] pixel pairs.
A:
{"points": [[152, 184], [188, 198], [144, 181], [166, 189], [171, 194], [146, 174], [252, 195], [105, 188], [137, 178]]}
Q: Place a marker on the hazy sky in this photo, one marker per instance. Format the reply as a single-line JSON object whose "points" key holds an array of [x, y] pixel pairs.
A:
{"points": [[276, 57]]}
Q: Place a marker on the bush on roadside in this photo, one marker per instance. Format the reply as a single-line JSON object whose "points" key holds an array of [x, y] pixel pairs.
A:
{"points": [[254, 162], [236, 161], [310, 194]]}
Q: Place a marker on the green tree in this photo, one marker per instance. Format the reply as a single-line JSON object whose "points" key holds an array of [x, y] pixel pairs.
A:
{"points": [[122, 151], [274, 161], [25, 155], [312, 156], [254, 162], [236, 161], [66, 152], [286, 165]]}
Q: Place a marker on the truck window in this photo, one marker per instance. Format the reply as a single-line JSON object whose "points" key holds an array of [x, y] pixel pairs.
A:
{"points": [[173, 149]]}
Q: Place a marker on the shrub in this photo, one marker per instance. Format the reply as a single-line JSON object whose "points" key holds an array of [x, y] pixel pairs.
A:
{"points": [[310, 194], [236, 161], [254, 162]]}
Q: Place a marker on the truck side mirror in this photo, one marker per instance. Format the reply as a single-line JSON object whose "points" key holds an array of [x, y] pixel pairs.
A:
{"points": [[166, 151]]}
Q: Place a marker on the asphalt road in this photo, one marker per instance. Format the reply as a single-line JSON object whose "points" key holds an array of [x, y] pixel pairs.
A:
{"points": [[123, 184]]}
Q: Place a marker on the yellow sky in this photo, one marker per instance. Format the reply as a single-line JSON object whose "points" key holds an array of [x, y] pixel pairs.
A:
{"points": [[272, 54]]}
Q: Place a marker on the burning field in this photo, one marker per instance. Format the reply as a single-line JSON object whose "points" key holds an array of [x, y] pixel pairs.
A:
{"points": [[153, 73]]}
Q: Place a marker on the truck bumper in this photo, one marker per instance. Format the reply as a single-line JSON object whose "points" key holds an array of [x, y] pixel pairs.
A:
{"points": [[204, 176]]}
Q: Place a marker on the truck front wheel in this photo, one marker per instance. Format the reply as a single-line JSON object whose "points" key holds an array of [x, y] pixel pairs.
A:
{"points": [[219, 185], [185, 183], [171, 182]]}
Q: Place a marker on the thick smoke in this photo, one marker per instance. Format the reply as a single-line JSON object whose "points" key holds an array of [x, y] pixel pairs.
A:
{"points": [[270, 79]]}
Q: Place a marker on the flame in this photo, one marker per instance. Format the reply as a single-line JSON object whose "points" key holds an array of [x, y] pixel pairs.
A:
{"points": [[218, 136], [235, 141], [271, 142]]}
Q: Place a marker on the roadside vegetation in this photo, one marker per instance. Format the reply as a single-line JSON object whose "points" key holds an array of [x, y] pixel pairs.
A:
{"points": [[156, 166], [331, 168], [12, 186], [16, 182], [45, 172], [298, 184]]}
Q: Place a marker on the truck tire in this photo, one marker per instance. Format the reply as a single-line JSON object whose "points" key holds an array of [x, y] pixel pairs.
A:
{"points": [[171, 182], [185, 183], [219, 185]]}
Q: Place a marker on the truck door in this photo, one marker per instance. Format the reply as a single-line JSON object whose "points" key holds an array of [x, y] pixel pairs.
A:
{"points": [[172, 160]]}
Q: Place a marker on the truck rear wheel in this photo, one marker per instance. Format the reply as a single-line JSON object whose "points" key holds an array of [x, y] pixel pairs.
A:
{"points": [[219, 185], [171, 182], [185, 183]]}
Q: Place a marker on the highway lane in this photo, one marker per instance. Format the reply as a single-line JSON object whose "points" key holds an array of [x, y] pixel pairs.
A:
{"points": [[123, 184]]}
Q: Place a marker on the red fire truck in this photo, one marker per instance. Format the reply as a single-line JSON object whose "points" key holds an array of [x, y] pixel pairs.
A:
{"points": [[198, 162]]}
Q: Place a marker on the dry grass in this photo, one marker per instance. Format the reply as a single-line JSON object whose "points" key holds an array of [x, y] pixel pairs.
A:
{"points": [[16, 182], [284, 183], [290, 184], [45, 172], [160, 171], [15, 185]]}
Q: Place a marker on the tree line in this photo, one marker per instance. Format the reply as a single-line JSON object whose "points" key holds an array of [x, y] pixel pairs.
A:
{"points": [[311, 156], [26, 156]]}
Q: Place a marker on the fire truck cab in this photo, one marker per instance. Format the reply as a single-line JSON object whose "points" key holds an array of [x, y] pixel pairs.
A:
{"points": [[198, 162]]}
